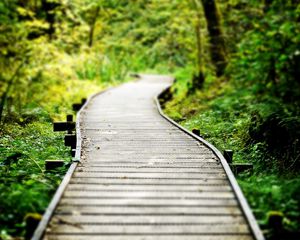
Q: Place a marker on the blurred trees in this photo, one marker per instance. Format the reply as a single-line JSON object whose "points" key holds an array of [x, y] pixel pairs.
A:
{"points": [[260, 37]]}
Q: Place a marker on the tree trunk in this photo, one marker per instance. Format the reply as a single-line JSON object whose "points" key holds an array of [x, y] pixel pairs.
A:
{"points": [[9, 85], [92, 26], [216, 38], [198, 78], [49, 8]]}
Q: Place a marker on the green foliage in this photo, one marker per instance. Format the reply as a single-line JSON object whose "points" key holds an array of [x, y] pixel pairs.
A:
{"points": [[53, 53], [25, 186], [270, 51], [268, 193]]}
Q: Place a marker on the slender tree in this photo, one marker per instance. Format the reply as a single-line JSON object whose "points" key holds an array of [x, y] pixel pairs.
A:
{"points": [[49, 8], [8, 87], [198, 78], [92, 24], [216, 37]]}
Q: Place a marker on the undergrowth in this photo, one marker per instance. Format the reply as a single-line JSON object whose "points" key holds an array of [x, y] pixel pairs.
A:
{"points": [[25, 186], [261, 130]]}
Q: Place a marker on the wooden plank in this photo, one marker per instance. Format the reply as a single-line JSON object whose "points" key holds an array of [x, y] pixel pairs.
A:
{"points": [[151, 175], [144, 210], [213, 229], [149, 169], [146, 202], [150, 164], [144, 160], [145, 237], [141, 194], [158, 188], [162, 154], [152, 181], [149, 220]]}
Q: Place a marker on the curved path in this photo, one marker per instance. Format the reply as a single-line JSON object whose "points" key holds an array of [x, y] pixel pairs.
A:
{"points": [[141, 177]]}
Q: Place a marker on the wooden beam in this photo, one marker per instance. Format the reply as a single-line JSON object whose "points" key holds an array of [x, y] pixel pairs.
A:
{"points": [[63, 126], [53, 164]]}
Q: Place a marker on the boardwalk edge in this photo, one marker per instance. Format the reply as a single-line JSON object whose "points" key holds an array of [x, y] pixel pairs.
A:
{"points": [[255, 230], [41, 228]]}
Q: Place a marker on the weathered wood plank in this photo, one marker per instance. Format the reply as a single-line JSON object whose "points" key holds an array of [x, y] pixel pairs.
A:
{"points": [[150, 164], [149, 169], [152, 181], [213, 229], [159, 188], [151, 175], [148, 220], [144, 210], [145, 237], [147, 202], [141, 194], [144, 160]]}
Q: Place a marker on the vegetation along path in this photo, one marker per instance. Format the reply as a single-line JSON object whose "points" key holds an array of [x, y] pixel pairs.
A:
{"points": [[142, 177]]}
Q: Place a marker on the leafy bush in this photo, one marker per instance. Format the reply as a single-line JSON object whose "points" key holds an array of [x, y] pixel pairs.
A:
{"points": [[279, 133]]}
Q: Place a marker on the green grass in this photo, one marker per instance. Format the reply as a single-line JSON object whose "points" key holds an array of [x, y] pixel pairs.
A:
{"points": [[25, 186]]}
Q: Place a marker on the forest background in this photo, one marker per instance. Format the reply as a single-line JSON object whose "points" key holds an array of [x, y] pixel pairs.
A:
{"points": [[236, 64]]}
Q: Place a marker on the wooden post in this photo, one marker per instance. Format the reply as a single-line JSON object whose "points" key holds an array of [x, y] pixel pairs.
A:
{"points": [[228, 155], [196, 132], [70, 140], [69, 119], [52, 164], [73, 152], [275, 221], [76, 106]]}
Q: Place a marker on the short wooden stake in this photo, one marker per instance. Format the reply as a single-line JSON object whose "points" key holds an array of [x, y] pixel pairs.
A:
{"points": [[228, 155], [196, 132], [73, 152], [53, 164], [76, 106], [69, 118], [70, 140], [275, 220]]}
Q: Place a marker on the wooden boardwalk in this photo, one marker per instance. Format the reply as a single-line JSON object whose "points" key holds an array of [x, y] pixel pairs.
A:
{"points": [[141, 177]]}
